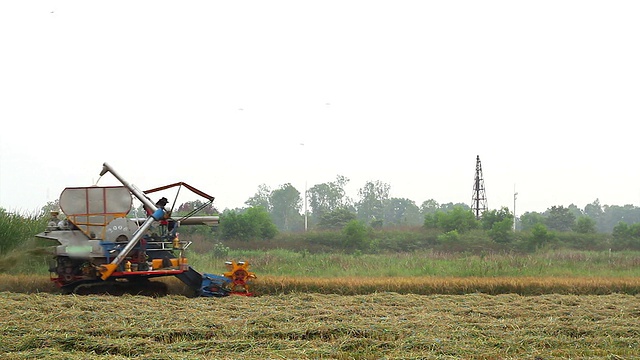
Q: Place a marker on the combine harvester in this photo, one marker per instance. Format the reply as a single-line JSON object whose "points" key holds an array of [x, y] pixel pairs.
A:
{"points": [[101, 250]]}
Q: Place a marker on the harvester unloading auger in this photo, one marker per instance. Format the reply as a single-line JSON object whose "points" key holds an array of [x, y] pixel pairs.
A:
{"points": [[102, 250]]}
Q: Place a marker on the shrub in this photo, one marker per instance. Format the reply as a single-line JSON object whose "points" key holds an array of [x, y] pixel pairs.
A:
{"points": [[355, 236], [449, 237], [254, 223], [458, 218], [502, 231], [220, 250], [539, 237]]}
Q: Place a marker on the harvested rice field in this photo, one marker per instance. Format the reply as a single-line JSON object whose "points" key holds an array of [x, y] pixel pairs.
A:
{"points": [[384, 325]]}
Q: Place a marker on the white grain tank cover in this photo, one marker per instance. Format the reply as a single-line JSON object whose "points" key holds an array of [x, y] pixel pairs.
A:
{"points": [[92, 208]]}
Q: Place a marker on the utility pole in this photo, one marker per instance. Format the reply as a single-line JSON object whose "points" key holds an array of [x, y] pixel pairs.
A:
{"points": [[304, 160], [305, 205], [515, 196], [479, 198]]}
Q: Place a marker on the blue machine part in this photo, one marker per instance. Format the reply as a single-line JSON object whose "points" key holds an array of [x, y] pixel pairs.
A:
{"points": [[107, 248], [158, 214], [215, 286]]}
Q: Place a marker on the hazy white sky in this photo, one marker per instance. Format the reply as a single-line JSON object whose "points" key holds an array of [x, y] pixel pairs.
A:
{"points": [[221, 95]]}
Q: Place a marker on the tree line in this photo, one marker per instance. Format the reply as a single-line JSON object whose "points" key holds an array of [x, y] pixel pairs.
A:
{"points": [[329, 207]]}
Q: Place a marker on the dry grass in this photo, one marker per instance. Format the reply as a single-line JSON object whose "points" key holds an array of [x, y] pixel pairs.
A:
{"points": [[450, 285], [311, 318], [26, 283], [278, 285], [314, 326]]}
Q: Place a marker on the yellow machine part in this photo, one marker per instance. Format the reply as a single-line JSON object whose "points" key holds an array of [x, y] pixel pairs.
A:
{"points": [[239, 274], [158, 263], [106, 270]]}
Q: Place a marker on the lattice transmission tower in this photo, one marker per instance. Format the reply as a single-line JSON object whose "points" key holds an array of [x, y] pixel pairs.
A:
{"points": [[479, 198]]}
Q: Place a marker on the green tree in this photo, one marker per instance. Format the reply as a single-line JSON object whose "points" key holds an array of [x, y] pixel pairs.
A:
{"points": [[560, 218], [262, 198], [286, 203], [372, 196], [327, 197], [431, 220], [450, 206], [233, 226], [502, 231], [491, 217], [595, 212], [621, 231], [575, 211], [585, 225], [499, 224], [336, 219], [539, 236], [429, 207], [399, 211], [614, 214], [634, 243], [626, 236], [529, 220], [458, 218], [252, 224], [261, 221]]}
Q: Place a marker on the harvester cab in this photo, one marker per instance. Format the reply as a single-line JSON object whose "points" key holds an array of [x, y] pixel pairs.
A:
{"points": [[100, 249]]}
